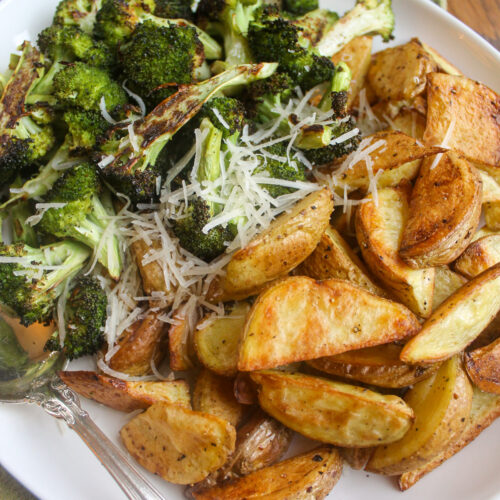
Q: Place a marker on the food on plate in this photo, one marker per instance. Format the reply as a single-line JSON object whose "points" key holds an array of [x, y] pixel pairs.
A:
{"points": [[379, 229], [301, 319], [457, 321], [483, 367], [444, 212], [310, 475], [379, 365], [126, 395], [180, 445], [332, 412], [442, 405], [244, 193]]}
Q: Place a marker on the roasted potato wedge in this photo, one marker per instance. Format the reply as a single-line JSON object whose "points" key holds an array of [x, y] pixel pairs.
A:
{"points": [[396, 158], [483, 367], [491, 189], [400, 73], [442, 405], [446, 283], [379, 365], [179, 445], [379, 229], [153, 279], [445, 207], [465, 113], [179, 342], [356, 457], [410, 122], [302, 319], [140, 345], [479, 256], [487, 336], [214, 394], [216, 344], [333, 258], [492, 215], [457, 321], [332, 412], [307, 476], [357, 54], [124, 395], [282, 247], [485, 410]]}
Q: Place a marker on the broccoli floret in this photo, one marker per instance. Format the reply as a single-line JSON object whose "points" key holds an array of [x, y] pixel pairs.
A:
{"points": [[79, 13], [133, 168], [273, 38], [117, 20], [84, 318], [368, 17], [43, 273], [83, 216], [314, 25], [157, 55], [84, 129], [300, 7], [23, 142], [174, 9], [335, 97], [225, 113], [82, 86]]}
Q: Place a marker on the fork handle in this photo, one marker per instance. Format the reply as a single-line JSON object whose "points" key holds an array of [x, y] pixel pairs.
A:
{"points": [[61, 402]]}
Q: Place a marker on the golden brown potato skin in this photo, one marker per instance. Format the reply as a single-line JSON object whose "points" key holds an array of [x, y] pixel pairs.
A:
{"points": [[179, 343], [485, 410], [479, 256], [356, 457], [177, 444], [152, 276], [309, 476], [379, 365], [445, 206], [483, 367], [283, 246], [302, 319], [123, 395], [139, 345], [471, 109], [332, 412], [442, 405]]}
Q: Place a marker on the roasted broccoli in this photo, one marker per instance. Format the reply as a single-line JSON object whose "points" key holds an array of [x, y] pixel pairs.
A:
{"points": [[82, 215], [336, 95], [79, 13], [300, 7], [23, 142], [31, 279], [225, 113], [368, 17], [84, 318], [314, 25], [84, 129]]}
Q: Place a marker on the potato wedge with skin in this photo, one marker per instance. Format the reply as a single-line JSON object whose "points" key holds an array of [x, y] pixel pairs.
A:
{"points": [[487, 336], [491, 189], [395, 158], [301, 319], [214, 394], [485, 410], [379, 365], [466, 113], [179, 445], [332, 412], [457, 321], [446, 284], [356, 457], [379, 230], [333, 258], [492, 215], [445, 207], [139, 346], [311, 475], [400, 73], [357, 54], [179, 341], [217, 344], [483, 367], [153, 279], [124, 395], [479, 256], [282, 247], [442, 405]]}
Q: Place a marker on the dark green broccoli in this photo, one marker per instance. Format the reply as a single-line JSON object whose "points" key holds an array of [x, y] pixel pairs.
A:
{"points": [[174, 9], [273, 38], [225, 113], [84, 317], [368, 17], [79, 13], [132, 168], [82, 86], [83, 215], [158, 55], [84, 129], [117, 20], [23, 142], [31, 279], [300, 7]]}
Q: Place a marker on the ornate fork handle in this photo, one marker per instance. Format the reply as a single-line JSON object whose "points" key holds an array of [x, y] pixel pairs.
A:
{"points": [[61, 402]]}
